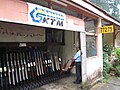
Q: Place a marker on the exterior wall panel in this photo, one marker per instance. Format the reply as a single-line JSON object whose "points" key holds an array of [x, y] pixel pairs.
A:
{"points": [[14, 10], [17, 11], [74, 24]]}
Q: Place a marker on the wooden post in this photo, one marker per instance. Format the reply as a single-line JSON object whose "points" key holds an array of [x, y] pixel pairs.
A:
{"points": [[114, 36]]}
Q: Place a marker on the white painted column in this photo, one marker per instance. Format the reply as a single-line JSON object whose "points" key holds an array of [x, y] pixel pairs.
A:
{"points": [[100, 44], [84, 64]]}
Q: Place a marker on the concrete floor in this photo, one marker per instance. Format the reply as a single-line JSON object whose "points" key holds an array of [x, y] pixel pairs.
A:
{"points": [[112, 84], [65, 83]]}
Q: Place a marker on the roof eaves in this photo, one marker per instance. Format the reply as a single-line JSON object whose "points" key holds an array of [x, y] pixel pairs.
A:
{"points": [[87, 1], [101, 13]]}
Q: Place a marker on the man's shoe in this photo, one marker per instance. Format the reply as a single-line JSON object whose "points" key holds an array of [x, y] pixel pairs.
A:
{"points": [[76, 82]]}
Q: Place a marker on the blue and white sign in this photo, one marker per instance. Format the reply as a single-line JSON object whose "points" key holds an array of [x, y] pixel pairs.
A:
{"points": [[42, 16]]}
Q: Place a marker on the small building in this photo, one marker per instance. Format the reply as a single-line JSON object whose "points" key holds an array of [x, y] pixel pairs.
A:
{"points": [[54, 26]]}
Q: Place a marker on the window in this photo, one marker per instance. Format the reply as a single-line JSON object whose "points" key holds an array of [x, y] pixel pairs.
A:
{"points": [[90, 27], [91, 36], [91, 45]]}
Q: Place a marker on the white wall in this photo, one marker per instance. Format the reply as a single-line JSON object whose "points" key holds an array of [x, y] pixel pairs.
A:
{"points": [[95, 63], [94, 69]]}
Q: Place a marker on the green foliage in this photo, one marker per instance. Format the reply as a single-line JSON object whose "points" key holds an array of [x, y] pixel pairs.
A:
{"points": [[103, 4], [106, 65], [108, 49], [118, 53], [117, 64], [117, 69], [109, 6]]}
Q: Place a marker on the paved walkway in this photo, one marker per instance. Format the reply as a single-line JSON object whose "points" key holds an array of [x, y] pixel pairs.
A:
{"points": [[67, 84], [62, 84], [112, 84]]}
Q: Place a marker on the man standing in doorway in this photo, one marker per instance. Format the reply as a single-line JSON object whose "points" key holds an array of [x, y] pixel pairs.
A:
{"points": [[77, 59]]}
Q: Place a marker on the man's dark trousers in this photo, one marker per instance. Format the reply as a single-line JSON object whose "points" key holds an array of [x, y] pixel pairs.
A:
{"points": [[78, 72]]}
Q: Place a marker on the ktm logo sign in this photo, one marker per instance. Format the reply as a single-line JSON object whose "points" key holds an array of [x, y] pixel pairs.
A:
{"points": [[47, 17]]}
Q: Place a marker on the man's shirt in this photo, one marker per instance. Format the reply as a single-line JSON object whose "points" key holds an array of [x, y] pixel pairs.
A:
{"points": [[77, 56]]}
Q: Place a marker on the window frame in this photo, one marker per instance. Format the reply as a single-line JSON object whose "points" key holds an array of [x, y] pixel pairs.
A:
{"points": [[96, 38]]}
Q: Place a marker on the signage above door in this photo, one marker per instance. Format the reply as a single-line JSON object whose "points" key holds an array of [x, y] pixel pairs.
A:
{"points": [[42, 16]]}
